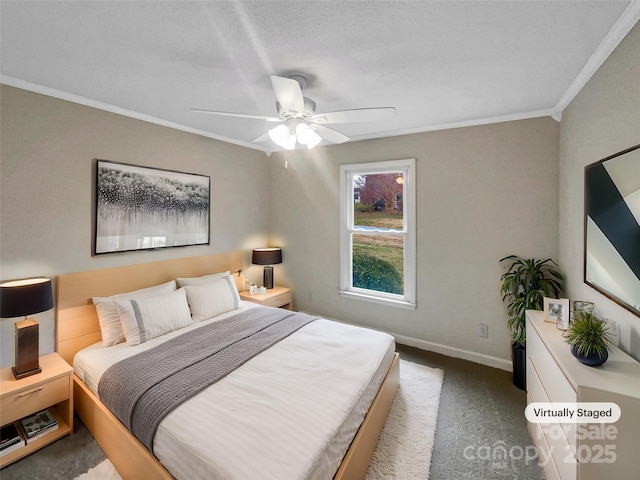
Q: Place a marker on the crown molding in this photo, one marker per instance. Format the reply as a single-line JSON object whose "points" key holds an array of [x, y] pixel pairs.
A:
{"points": [[62, 95], [464, 123], [620, 29]]}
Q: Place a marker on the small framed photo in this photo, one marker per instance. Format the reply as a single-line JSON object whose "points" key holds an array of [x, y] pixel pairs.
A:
{"points": [[555, 308], [582, 306]]}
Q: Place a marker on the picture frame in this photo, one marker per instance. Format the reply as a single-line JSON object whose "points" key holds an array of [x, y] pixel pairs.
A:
{"points": [[553, 308], [581, 306], [146, 208]]}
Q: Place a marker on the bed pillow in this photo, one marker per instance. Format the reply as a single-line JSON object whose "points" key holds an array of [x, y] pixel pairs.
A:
{"points": [[213, 298], [183, 282], [149, 317], [108, 316]]}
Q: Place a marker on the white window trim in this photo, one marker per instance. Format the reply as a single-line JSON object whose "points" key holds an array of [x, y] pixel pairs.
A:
{"points": [[407, 166]]}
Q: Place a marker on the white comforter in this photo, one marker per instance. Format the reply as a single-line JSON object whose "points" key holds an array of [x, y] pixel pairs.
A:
{"points": [[289, 413]]}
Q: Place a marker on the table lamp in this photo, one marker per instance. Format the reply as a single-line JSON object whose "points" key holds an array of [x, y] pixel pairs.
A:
{"points": [[267, 257], [21, 298]]}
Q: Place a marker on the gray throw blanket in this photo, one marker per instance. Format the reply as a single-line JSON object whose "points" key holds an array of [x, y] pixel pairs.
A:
{"points": [[141, 390]]}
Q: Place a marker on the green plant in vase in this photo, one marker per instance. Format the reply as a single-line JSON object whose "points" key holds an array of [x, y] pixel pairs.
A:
{"points": [[590, 338], [524, 286]]}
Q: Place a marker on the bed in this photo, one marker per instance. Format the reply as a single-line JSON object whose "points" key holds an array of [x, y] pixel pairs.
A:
{"points": [[78, 330]]}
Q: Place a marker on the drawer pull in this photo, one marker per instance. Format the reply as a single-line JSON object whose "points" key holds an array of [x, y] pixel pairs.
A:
{"points": [[30, 392]]}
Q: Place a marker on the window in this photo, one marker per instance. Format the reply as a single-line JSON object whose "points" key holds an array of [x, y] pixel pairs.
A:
{"points": [[377, 232]]}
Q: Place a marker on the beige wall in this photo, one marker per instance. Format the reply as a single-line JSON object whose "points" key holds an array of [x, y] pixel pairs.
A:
{"points": [[603, 119], [482, 193], [47, 149]]}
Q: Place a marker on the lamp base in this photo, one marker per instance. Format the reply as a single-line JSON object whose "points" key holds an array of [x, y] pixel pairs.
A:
{"points": [[267, 276], [27, 351], [18, 376]]}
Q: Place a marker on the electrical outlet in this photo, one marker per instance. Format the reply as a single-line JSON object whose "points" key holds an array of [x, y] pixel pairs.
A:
{"points": [[483, 331]]}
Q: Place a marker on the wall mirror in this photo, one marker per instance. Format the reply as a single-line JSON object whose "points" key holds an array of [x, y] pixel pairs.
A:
{"points": [[612, 228]]}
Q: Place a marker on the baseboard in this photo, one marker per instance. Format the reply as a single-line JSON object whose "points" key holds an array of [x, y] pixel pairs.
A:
{"points": [[454, 352]]}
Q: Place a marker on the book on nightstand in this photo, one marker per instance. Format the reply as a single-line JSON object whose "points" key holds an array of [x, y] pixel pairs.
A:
{"points": [[10, 439], [41, 423]]}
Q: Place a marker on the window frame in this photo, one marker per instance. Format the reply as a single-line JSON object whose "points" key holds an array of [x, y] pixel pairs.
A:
{"points": [[347, 230]]}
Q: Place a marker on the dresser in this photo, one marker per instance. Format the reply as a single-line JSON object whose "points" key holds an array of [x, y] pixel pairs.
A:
{"points": [[571, 451]]}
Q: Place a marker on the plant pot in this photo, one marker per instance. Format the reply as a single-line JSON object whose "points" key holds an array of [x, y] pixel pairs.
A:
{"points": [[592, 360], [519, 360]]}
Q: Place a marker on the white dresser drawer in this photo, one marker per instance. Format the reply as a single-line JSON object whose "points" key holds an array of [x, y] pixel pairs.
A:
{"points": [[544, 456], [535, 390], [559, 438], [556, 385]]}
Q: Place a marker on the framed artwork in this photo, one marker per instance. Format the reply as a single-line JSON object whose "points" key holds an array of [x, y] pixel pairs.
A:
{"points": [[142, 208], [555, 308]]}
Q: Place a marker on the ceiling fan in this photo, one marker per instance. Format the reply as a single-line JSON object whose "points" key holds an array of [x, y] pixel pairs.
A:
{"points": [[298, 119]]}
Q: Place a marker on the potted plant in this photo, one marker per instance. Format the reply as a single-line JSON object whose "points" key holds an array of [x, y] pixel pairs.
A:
{"points": [[524, 286], [589, 338]]}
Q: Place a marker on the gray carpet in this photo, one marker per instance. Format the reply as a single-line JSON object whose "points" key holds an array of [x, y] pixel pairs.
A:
{"points": [[62, 460], [481, 415]]}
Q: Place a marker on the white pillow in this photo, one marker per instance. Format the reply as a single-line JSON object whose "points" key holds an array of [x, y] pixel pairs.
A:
{"points": [[183, 282], [109, 318], [213, 298], [146, 318]]}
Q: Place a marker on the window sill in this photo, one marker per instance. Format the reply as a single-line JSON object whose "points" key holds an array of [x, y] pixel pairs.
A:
{"points": [[392, 302]]}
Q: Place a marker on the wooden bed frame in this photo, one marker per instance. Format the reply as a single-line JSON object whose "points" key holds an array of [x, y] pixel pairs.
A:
{"points": [[78, 327]]}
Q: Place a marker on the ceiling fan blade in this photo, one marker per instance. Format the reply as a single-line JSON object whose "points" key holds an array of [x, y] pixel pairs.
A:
{"points": [[240, 115], [357, 115], [262, 138], [288, 93], [330, 134]]}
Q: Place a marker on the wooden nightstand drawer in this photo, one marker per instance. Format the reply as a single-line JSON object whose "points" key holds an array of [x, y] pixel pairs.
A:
{"points": [[31, 400], [278, 300], [279, 297]]}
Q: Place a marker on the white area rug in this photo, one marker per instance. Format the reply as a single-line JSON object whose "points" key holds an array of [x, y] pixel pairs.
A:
{"points": [[405, 446], [102, 471]]}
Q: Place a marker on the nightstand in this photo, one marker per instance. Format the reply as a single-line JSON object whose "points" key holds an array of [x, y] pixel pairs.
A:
{"points": [[51, 389], [275, 297]]}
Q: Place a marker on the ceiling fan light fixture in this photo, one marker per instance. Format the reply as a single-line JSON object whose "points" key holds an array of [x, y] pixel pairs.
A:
{"points": [[290, 142], [285, 136], [279, 134], [307, 136], [282, 136], [301, 123]]}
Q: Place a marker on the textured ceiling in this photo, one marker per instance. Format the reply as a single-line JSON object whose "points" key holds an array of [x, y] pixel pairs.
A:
{"points": [[442, 64]]}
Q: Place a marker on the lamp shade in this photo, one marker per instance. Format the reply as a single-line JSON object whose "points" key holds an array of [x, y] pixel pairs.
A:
{"points": [[266, 256], [25, 297]]}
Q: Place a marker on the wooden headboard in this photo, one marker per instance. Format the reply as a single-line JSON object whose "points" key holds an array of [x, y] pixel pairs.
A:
{"points": [[77, 320]]}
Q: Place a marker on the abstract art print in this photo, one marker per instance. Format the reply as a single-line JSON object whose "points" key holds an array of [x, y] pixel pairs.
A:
{"points": [[142, 208]]}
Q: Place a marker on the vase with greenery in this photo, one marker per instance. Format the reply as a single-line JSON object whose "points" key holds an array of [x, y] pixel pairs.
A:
{"points": [[590, 338], [524, 286]]}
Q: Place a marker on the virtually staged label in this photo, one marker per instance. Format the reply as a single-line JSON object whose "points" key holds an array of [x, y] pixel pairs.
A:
{"points": [[572, 412]]}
